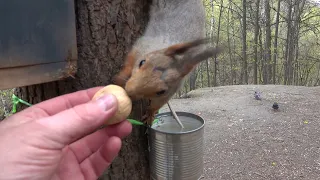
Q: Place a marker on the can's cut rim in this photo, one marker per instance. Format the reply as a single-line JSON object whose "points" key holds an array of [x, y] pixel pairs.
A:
{"points": [[179, 114]]}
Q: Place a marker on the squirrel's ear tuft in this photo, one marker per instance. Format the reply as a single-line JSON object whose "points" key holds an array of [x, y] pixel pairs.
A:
{"points": [[125, 73], [178, 49], [192, 58]]}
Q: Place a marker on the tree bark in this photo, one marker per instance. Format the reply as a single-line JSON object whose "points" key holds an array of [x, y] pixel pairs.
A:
{"points": [[105, 32]]}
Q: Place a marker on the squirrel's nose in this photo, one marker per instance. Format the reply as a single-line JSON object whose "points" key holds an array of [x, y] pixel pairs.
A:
{"points": [[131, 91]]}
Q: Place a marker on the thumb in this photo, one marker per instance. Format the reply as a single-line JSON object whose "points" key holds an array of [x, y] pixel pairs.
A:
{"points": [[76, 122]]}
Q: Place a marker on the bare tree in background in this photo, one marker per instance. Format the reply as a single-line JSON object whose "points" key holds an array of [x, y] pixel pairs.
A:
{"points": [[215, 83], [275, 46], [256, 36], [267, 61], [244, 75]]}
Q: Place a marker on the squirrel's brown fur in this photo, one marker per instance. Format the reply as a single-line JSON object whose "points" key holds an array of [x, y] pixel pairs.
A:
{"points": [[172, 45]]}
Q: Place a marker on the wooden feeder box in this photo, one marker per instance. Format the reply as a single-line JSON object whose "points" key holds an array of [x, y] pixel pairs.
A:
{"points": [[37, 42]]}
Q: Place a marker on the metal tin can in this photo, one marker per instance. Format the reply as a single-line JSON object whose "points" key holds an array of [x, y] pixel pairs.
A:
{"points": [[175, 153]]}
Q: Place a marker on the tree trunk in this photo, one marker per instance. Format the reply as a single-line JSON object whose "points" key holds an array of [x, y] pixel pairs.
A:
{"points": [[275, 46], [105, 32], [256, 36], [215, 83], [201, 74], [317, 81], [208, 34], [211, 35], [208, 72], [192, 80], [261, 55], [229, 44], [288, 52], [234, 50], [267, 43], [244, 42], [299, 7], [223, 74]]}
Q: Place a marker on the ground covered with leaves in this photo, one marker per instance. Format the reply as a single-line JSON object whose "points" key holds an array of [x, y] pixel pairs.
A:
{"points": [[246, 138]]}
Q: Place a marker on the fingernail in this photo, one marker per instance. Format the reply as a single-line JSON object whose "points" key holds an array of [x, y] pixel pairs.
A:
{"points": [[106, 102]]}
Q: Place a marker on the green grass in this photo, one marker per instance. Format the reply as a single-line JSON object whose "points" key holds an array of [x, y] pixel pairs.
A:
{"points": [[5, 103]]}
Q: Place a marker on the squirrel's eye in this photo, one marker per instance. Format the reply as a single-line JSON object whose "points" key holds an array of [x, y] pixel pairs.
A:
{"points": [[161, 92], [141, 63]]}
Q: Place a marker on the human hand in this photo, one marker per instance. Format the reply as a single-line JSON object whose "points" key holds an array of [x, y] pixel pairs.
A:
{"points": [[50, 140]]}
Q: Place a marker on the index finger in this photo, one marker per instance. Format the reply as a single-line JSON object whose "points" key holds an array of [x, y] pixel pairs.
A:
{"points": [[67, 101], [52, 106]]}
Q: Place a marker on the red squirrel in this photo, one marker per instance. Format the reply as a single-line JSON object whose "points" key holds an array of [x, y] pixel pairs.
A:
{"points": [[170, 48]]}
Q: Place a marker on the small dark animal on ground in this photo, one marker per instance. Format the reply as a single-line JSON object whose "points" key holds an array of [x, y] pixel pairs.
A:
{"points": [[275, 106]]}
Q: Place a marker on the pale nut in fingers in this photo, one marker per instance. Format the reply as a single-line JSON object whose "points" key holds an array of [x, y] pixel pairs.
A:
{"points": [[124, 103]]}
